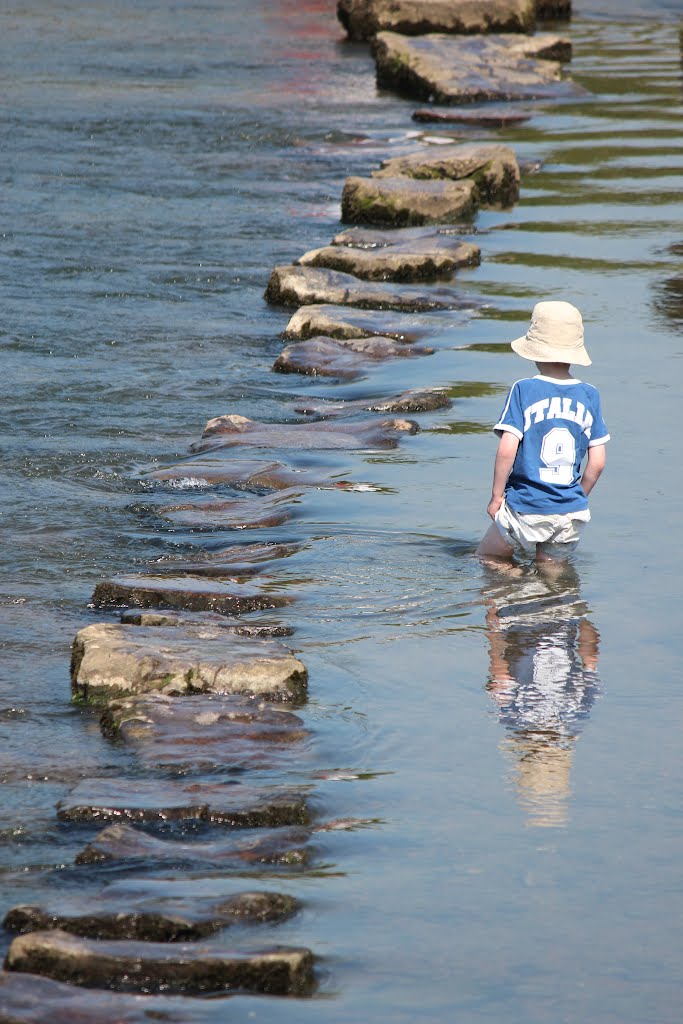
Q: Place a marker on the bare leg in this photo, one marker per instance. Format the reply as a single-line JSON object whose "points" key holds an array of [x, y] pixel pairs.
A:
{"points": [[493, 545]]}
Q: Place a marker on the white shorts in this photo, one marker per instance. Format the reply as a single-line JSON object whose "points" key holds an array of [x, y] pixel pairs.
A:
{"points": [[556, 535]]}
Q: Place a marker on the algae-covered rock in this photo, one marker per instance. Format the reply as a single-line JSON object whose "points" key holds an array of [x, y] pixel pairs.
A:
{"points": [[185, 593], [401, 201], [363, 18], [473, 69], [161, 967], [407, 401], [398, 262], [491, 166], [111, 660]]}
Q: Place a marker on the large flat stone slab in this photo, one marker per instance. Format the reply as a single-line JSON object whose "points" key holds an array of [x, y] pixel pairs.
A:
{"points": [[162, 967], [347, 359], [202, 733], [301, 286], [425, 260], [151, 800], [475, 69], [488, 116], [112, 660], [150, 917], [251, 513], [185, 593], [362, 19], [280, 848], [427, 400], [247, 474], [491, 166], [231, 430], [401, 201], [347, 322]]}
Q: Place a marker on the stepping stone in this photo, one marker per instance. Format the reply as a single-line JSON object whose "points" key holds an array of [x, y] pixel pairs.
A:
{"points": [[429, 238], [492, 166], [473, 69], [231, 430], [362, 19], [348, 359], [111, 660], [150, 800], [256, 473], [265, 629], [299, 286], [205, 732], [346, 322], [234, 561], [162, 967], [282, 848], [239, 514], [486, 118], [148, 918], [407, 401], [401, 201], [186, 593], [402, 261]]}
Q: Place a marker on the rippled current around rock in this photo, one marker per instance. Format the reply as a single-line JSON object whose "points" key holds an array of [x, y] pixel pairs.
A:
{"points": [[356, 775]]}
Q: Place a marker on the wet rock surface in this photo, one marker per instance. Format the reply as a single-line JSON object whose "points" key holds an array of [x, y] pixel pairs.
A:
{"points": [[157, 967], [364, 18], [185, 593], [407, 401], [301, 286], [110, 660], [149, 800], [237, 430], [498, 117], [344, 358], [448, 69], [346, 322], [149, 917], [237, 514], [255, 473], [421, 261], [282, 848], [205, 733], [402, 201], [263, 629]]}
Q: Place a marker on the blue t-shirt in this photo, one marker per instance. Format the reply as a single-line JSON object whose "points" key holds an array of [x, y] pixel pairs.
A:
{"points": [[556, 422]]}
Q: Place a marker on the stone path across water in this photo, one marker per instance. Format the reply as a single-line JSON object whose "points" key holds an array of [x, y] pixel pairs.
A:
{"points": [[211, 706]]}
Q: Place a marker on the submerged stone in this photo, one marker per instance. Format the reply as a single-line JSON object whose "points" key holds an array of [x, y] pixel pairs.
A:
{"points": [[237, 473], [239, 514], [111, 660], [150, 800], [344, 358], [346, 322], [185, 593], [475, 69], [159, 967], [401, 201], [408, 401], [234, 561], [236, 430], [402, 261], [237, 626], [362, 19], [205, 732], [148, 918], [499, 117], [281, 847], [300, 286], [492, 166]]}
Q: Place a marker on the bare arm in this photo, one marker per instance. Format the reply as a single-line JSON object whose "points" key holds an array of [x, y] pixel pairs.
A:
{"points": [[505, 457], [595, 464]]}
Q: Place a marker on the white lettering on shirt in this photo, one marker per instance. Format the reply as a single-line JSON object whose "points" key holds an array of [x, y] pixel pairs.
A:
{"points": [[559, 409]]}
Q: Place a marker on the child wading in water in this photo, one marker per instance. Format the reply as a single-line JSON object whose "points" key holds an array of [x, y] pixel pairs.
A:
{"points": [[539, 500]]}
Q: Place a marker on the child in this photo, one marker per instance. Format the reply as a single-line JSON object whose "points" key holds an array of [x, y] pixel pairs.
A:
{"points": [[539, 500]]}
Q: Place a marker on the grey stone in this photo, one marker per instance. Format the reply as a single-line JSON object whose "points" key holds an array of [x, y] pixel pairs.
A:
{"points": [[285, 848], [363, 18], [228, 430], [237, 514], [492, 166], [254, 473], [300, 286], [399, 262], [499, 117], [347, 322], [186, 593], [150, 800], [343, 358], [473, 69], [402, 201], [111, 660], [408, 401], [161, 967]]}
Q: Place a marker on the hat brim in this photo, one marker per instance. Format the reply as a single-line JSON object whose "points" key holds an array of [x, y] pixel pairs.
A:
{"points": [[547, 354]]}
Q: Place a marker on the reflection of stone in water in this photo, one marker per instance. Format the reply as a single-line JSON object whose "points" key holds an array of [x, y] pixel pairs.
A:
{"points": [[670, 298], [542, 766]]}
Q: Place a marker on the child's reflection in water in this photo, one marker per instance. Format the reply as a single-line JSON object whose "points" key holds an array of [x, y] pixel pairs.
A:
{"points": [[543, 677]]}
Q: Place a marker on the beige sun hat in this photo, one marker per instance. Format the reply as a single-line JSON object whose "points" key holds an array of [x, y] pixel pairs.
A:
{"points": [[555, 335]]}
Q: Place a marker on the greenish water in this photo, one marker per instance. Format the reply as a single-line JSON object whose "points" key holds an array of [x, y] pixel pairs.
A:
{"points": [[522, 855]]}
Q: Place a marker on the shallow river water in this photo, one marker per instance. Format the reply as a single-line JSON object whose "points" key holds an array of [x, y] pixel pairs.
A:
{"points": [[520, 857]]}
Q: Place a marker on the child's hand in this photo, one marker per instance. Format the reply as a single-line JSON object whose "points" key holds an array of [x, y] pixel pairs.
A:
{"points": [[493, 506]]}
